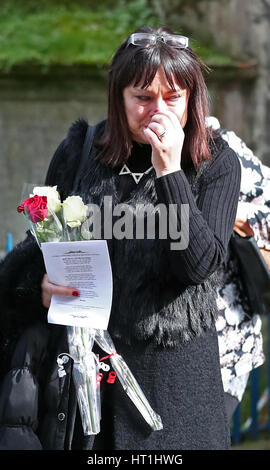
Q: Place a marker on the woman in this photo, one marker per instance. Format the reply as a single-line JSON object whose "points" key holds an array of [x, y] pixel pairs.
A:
{"points": [[154, 149]]}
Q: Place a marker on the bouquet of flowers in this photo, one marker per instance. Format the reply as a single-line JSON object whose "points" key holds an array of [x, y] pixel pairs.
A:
{"points": [[51, 220]]}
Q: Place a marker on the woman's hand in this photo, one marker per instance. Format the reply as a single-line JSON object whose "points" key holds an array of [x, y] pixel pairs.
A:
{"points": [[48, 289], [166, 150]]}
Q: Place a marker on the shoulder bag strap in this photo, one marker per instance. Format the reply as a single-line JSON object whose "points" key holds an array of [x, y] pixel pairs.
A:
{"points": [[87, 146]]}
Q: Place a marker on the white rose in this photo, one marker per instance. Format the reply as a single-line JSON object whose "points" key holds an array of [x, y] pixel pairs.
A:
{"points": [[74, 211], [53, 198]]}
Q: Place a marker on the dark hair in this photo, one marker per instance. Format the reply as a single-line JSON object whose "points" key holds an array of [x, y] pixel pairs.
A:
{"points": [[136, 64]]}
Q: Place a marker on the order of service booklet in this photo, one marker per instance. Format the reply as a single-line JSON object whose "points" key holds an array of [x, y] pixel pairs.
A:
{"points": [[85, 266]]}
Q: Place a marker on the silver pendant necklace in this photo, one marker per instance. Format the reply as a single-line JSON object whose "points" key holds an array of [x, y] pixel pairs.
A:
{"points": [[136, 176]]}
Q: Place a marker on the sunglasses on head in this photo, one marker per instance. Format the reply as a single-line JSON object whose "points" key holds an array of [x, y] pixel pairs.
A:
{"points": [[147, 39]]}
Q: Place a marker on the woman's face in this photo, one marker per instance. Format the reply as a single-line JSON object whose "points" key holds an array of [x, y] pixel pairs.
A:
{"points": [[141, 104]]}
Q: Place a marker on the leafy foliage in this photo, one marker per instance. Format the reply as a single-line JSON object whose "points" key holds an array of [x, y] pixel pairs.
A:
{"points": [[69, 32]]}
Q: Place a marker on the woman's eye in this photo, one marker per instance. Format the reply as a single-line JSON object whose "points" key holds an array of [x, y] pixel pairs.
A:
{"points": [[174, 97], [143, 98]]}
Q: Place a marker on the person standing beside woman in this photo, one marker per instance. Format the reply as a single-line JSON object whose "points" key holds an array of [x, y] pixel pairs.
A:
{"points": [[239, 329], [153, 148]]}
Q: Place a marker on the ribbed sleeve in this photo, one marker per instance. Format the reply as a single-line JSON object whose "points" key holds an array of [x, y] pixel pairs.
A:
{"points": [[211, 216]]}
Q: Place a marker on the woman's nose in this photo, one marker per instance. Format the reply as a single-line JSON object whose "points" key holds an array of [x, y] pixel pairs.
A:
{"points": [[159, 105]]}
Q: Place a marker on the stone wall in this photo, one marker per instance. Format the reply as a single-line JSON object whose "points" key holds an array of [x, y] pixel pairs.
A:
{"points": [[242, 29], [35, 115]]}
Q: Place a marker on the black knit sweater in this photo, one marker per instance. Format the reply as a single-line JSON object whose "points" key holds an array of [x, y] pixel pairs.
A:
{"points": [[209, 227]]}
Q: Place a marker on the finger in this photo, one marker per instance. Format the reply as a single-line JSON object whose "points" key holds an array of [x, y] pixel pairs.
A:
{"points": [[50, 289], [156, 128], [162, 120], [62, 290], [152, 137], [166, 117]]}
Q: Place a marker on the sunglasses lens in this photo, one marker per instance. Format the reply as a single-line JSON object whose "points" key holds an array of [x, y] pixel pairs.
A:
{"points": [[143, 39], [177, 42], [143, 42]]}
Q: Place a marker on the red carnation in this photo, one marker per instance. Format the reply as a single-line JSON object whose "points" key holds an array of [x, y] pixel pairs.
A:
{"points": [[36, 207]]}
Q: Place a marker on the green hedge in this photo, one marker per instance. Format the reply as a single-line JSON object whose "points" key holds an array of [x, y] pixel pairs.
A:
{"points": [[66, 33], [49, 33]]}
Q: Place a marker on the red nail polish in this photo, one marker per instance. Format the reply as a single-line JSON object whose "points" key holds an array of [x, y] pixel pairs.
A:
{"points": [[156, 111], [75, 293]]}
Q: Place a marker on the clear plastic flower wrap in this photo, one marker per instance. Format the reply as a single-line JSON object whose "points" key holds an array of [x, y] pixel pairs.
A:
{"points": [[85, 375], [128, 381], [48, 229]]}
